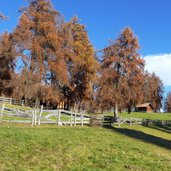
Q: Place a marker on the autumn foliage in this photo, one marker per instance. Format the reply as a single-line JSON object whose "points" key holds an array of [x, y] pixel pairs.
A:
{"points": [[47, 60], [7, 63], [167, 103], [122, 72], [153, 91]]}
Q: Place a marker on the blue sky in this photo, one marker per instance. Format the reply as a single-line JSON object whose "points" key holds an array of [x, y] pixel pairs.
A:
{"points": [[104, 19]]}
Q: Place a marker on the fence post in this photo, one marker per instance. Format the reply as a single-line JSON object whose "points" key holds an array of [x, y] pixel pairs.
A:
{"points": [[3, 106], [81, 119], [22, 102], [35, 117], [32, 122], [10, 101], [130, 122], [119, 120], [71, 119], [3, 99], [75, 119], [59, 117], [41, 110]]}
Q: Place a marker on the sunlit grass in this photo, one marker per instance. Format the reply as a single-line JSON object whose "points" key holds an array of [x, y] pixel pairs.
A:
{"points": [[77, 148], [18, 107], [152, 116]]}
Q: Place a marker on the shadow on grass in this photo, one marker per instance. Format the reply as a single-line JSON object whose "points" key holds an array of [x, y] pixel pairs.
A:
{"points": [[161, 128], [142, 136]]}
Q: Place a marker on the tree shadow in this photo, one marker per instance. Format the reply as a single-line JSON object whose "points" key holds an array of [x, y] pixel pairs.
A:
{"points": [[161, 128], [142, 136]]}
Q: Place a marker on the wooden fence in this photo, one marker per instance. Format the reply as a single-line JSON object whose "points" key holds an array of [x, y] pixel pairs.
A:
{"points": [[16, 114], [100, 120], [160, 123], [40, 116], [7, 100], [130, 121]]}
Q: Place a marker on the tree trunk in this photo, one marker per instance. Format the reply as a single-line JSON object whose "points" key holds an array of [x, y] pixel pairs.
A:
{"points": [[129, 106], [129, 109], [37, 102], [26, 101], [116, 111]]}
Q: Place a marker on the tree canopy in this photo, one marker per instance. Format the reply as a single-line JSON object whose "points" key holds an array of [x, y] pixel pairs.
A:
{"points": [[122, 72], [47, 60]]}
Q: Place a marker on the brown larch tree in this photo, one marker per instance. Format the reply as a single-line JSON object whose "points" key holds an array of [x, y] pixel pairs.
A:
{"points": [[38, 42], [153, 91], [81, 64], [133, 68], [122, 72], [7, 63], [167, 103]]}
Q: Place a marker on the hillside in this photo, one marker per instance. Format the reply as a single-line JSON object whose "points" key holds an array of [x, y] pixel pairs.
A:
{"points": [[69, 148]]}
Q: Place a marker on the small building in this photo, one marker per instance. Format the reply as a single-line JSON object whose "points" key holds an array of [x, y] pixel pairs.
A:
{"points": [[146, 107]]}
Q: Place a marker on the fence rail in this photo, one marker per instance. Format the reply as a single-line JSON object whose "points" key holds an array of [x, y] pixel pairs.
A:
{"points": [[16, 114], [39, 116], [7, 100]]}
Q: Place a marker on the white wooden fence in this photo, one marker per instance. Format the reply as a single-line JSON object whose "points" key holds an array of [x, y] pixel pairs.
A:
{"points": [[130, 121], [40, 116], [35, 117], [7, 100], [64, 117]]}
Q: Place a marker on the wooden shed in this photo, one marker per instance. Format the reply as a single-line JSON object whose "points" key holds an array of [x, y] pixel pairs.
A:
{"points": [[146, 107]]}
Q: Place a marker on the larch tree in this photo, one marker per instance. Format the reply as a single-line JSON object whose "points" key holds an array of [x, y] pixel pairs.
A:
{"points": [[167, 103], [7, 63], [122, 71], [153, 91], [81, 64], [38, 43], [133, 68]]}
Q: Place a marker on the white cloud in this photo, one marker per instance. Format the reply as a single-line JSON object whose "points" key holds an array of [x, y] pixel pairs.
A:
{"points": [[161, 65]]}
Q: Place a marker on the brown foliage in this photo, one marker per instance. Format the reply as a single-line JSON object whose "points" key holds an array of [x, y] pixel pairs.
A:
{"points": [[122, 72], [58, 54], [167, 103], [83, 65], [7, 62], [153, 91], [58, 63], [38, 42]]}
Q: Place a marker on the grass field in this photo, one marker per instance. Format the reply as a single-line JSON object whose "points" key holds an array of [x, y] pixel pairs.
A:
{"points": [[18, 107], [76, 148], [152, 116], [143, 115]]}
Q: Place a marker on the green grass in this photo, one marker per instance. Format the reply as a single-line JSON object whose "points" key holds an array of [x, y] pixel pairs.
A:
{"points": [[152, 116], [10, 118], [64, 117], [76, 148], [18, 107]]}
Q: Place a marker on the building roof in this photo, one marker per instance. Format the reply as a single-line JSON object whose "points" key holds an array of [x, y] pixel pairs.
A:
{"points": [[144, 105]]}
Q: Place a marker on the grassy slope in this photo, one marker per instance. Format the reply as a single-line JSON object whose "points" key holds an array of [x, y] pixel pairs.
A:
{"points": [[65, 148], [153, 116], [64, 117], [18, 107]]}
